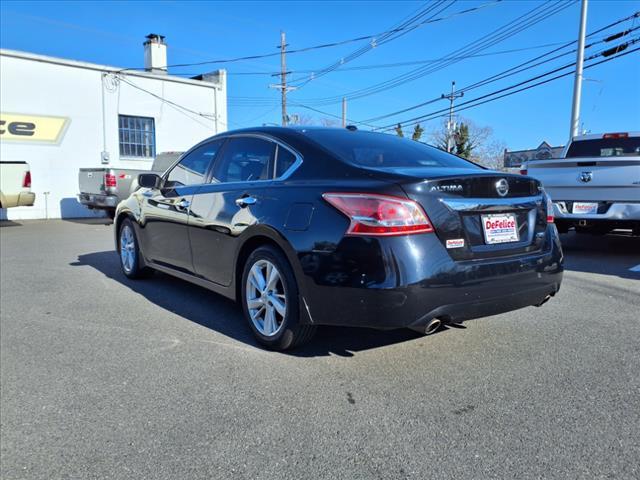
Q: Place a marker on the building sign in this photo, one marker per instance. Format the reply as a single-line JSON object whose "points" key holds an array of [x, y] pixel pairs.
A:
{"points": [[32, 128]]}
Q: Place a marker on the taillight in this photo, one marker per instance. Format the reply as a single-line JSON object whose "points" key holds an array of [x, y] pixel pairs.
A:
{"points": [[550, 215], [26, 183], [110, 180], [523, 171], [616, 135], [383, 215]]}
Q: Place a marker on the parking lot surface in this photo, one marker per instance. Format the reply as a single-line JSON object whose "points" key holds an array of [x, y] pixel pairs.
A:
{"points": [[104, 377]]}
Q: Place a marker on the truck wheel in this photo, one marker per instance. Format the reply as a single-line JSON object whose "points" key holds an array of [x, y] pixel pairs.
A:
{"points": [[130, 252], [269, 294]]}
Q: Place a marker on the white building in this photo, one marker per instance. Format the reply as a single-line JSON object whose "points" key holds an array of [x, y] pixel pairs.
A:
{"points": [[66, 115]]}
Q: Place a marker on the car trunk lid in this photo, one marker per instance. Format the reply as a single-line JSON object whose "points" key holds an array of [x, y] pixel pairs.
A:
{"points": [[459, 207]]}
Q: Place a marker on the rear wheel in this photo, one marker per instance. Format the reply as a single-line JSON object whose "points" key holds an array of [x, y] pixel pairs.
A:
{"points": [[130, 252], [270, 300]]}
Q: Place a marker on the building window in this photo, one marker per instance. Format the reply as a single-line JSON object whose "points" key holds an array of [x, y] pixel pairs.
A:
{"points": [[137, 136]]}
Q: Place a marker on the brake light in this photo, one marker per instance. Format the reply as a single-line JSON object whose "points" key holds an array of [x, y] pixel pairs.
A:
{"points": [[110, 180], [616, 135], [380, 215], [550, 215], [26, 183], [523, 171]]}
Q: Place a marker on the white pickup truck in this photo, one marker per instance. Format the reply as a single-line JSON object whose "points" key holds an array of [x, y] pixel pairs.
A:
{"points": [[103, 188], [15, 185], [595, 186]]}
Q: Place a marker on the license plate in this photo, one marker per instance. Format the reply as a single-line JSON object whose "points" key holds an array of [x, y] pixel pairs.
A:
{"points": [[500, 228], [585, 207]]}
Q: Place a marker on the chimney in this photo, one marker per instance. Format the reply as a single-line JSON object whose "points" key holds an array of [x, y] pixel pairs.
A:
{"points": [[155, 54]]}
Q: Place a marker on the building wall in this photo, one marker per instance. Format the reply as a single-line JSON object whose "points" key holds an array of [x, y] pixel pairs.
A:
{"points": [[43, 88]]}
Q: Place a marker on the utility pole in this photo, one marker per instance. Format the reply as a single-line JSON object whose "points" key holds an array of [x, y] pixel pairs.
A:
{"points": [[344, 112], [577, 83], [282, 86], [452, 97]]}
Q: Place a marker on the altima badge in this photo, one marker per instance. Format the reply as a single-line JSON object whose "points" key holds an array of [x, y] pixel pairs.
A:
{"points": [[586, 177]]}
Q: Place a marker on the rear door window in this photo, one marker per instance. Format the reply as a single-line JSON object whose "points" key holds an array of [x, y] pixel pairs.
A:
{"points": [[284, 161], [245, 159]]}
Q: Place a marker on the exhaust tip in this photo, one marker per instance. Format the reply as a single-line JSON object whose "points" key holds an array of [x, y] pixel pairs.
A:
{"points": [[432, 326]]}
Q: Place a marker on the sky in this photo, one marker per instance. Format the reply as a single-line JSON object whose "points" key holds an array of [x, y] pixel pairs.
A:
{"points": [[112, 33]]}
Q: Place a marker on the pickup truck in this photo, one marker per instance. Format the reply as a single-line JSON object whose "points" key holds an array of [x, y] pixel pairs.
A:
{"points": [[595, 186], [15, 185], [103, 188]]}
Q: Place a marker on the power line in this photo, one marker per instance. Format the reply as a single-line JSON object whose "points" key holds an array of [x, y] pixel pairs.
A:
{"points": [[516, 69], [511, 28], [392, 35], [485, 98], [313, 47]]}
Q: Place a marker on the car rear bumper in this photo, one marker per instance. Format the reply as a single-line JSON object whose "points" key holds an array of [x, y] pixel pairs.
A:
{"points": [[615, 211], [403, 294], [99, 201]]}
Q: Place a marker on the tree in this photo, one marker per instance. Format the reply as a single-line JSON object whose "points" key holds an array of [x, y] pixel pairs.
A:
{"points": [[417, 132], [462, 144], [471, 141], [399, 131]]}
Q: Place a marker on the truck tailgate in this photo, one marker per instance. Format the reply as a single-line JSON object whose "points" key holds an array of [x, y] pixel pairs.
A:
{"points": [[599, 179], [91, 180]]}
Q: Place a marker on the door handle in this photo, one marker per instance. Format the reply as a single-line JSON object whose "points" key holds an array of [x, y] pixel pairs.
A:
{"points": [[245, 201], [184, 204]]}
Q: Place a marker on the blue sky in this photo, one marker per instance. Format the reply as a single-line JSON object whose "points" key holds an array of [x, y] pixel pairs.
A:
{"points": [[112, 33]]}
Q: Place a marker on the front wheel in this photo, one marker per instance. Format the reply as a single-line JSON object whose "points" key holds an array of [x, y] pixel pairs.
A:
{"points": [[270, 300], [130, 252]]}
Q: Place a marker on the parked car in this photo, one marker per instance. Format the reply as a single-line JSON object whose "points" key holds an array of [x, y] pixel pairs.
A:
{"points": [[103, 188], [15, 185], [319, 226], [595, 186]]}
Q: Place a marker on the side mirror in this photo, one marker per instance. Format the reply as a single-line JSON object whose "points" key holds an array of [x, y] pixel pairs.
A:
{"points": [[149, 180]]}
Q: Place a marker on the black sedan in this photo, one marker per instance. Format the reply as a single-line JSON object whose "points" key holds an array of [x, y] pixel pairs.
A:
{"points": [[321, 226]]}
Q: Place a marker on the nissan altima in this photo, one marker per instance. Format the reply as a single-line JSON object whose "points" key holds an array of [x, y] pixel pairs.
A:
{"points": [[325, 226]]}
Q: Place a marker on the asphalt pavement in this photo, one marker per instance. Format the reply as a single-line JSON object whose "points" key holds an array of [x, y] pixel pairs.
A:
{"points": [[102, 377]]}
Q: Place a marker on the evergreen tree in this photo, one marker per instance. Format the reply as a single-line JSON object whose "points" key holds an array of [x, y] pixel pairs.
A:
{"points": [[417, 132], [461, 141]]}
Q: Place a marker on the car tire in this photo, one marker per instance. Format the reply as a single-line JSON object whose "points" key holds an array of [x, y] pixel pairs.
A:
{"points": [[129, 252], [270, 300]]}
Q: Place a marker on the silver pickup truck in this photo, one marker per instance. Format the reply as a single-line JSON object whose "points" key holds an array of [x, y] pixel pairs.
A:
{"points": [[595, 186], [103, 188]]}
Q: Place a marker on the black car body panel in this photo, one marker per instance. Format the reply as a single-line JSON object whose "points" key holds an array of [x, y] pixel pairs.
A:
{"points": [[203, 233]]}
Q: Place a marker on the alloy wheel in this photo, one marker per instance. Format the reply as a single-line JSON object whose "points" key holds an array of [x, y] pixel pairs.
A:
{"points": [[266, 298], [127, 249]]}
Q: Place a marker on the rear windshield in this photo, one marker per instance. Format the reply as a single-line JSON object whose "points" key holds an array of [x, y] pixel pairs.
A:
{"points": [[379, 150], [605, 147]]}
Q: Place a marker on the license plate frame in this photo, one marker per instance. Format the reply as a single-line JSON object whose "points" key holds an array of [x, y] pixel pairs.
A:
{"points": [[584, 208], [500, 234]]}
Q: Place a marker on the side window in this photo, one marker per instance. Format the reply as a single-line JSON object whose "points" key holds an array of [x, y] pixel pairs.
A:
{"points": [[284, 161], [192, 168], [245, 159]]}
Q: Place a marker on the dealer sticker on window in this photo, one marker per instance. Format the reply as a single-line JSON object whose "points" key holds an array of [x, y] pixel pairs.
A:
{"points": [[500, 228]]}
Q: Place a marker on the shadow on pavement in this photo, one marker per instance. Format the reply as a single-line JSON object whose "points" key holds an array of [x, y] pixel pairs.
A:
{"points": [[213, 311], [9, 223], [612, 254], [90, 220]]}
